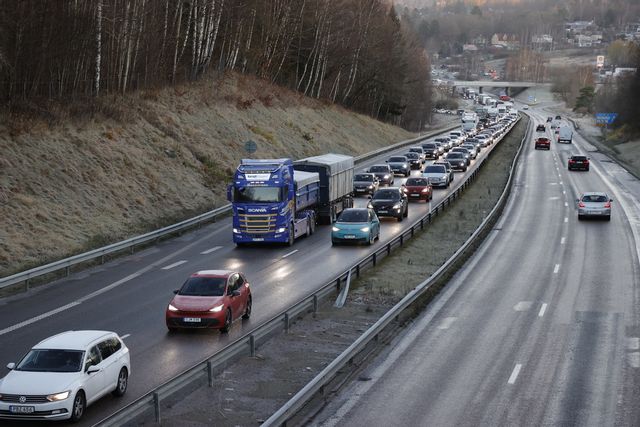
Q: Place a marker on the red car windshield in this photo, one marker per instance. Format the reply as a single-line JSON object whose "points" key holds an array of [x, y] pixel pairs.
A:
{"points": [[204, 286]]}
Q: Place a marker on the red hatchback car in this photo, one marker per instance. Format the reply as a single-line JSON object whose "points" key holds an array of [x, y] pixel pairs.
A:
{"points": [[418, 189], [543, 143], [210, 299]]}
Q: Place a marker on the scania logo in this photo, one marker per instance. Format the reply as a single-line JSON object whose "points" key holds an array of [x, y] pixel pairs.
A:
{"points": [[258, 210], [22, 399]]}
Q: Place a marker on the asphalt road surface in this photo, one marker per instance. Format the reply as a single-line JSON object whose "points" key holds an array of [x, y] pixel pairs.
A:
{"points": [[540, 327], [129, 295]]}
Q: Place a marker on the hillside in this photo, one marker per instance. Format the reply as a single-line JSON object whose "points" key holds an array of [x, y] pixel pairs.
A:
{"points": [[151, 158]]}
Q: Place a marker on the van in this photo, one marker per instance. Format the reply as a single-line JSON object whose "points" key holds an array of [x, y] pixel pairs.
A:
{"points": [[565, 135]]}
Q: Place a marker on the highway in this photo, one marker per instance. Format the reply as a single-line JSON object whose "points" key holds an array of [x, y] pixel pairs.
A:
{"points": [[129, 295], [540, 326]]}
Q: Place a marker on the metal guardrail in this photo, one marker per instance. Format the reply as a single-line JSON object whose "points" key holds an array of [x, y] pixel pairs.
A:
{"points": [[248, 343], [67, 263], [289, 409]]}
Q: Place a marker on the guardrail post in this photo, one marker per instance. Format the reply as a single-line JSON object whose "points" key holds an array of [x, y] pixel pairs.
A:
{"points": [[358, 271], [421, 223], [373, 258], [315, 305], [401, 239], [156, 406], [101, 259], [252, 345], [389, 248], [338, 284], [67, 270], [132, 249], [286, 322], [26, 285], [210, 373], [411, 231]]}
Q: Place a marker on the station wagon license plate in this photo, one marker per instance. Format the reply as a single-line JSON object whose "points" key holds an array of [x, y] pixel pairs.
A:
{"points": [[192, 319], [22, 409]]}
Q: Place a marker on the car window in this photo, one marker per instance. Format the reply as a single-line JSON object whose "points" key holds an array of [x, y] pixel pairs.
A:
{"points": [[363, 178], [594, 198], [54, 360], [106, 349], [417, 181], [241, 281], [386, 194], [378, 168], [92, 358], [233, 283], [397, 159], [203, 286], [435, 169], [353, 215]]}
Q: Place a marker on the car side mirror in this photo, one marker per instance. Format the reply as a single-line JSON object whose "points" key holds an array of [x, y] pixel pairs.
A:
{"points": [[92, 369], [175, 291], [235, 293], [10, 366], [611, 200]]}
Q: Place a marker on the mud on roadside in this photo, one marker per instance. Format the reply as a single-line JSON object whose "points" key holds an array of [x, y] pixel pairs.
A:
{"points": [[249, 391]]}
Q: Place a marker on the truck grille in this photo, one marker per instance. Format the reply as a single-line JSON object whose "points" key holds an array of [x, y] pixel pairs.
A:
{"points": [[257, 224]]}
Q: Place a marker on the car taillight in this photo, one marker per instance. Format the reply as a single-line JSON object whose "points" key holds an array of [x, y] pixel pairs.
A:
{"points": [[607, 205], [581, 205], [570, 161]]}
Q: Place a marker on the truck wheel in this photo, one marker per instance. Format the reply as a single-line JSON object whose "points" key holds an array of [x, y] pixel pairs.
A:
{"points": [[291, 235], [312, 224]]}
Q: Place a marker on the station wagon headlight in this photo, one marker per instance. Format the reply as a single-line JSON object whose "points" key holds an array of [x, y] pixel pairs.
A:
{"points": [[334, 228], [217, 308], [365, 229], [172, 308], [281, 230], [58, 396]]}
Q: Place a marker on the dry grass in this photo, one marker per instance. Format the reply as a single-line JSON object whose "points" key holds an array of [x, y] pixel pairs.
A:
{"points": [[74, 177]]}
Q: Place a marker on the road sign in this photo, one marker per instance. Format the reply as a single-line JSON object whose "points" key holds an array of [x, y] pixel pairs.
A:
{"points": [[600, 61], [250, 146], [605, 118]]}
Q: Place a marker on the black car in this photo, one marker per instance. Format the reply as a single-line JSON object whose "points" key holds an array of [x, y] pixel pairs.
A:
{"points": [[399, 165], [414, 160], [365, 183], [431, 150], [578, 163], [541, 128], [457, 161], [549, 119], [383, 173], [391, 202]]}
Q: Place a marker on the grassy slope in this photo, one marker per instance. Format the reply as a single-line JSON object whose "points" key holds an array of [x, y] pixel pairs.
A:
{"points": [[168, 154]]}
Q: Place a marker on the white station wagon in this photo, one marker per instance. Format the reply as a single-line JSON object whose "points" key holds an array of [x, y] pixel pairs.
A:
{"points": [[64, 374]]}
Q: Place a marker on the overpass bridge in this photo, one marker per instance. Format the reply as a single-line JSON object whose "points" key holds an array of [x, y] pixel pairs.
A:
{"points": [[480, 84]]}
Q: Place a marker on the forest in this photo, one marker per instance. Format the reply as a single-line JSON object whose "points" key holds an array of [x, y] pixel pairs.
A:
{"points": [[357, 53]]}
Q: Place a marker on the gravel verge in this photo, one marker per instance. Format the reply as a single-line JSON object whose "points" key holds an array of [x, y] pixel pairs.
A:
{"points": [[250, 390]]}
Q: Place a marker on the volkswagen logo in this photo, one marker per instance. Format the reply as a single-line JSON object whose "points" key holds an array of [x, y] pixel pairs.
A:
{"points": [[22, 399]]}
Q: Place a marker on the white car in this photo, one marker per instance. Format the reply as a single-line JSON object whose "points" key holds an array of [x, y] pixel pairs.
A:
{"points": [[64, 374]]}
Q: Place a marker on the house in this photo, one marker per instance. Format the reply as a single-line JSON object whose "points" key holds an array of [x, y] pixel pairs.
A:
{"points": [[542, 42], [508, 41], [471, 48]]}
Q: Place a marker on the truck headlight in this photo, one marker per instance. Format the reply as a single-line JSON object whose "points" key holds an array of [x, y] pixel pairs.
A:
{"points": [[281, 230], [236, 231]]}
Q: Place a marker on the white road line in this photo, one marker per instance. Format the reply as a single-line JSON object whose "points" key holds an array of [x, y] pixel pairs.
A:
{"points": [[556, 269], [289, 254], [40, 317], [562, 241], [566, 204], [447, 322], [175, 264], [564, 191], [125, 336], [542, 310], [554, 198], [523, 306], [514, 374], [208, 251], [566, 219]]}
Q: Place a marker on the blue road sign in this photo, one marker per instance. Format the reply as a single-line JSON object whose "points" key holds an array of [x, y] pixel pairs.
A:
{"points": [[606, 118]]}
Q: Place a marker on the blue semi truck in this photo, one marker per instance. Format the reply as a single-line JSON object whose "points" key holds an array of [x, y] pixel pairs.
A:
{"points": [[279, 200]]}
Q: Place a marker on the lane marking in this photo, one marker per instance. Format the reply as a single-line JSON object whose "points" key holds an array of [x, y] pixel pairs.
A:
{"points": [[208, 251], [175, 264], [447, 322], [562, 241], [556, 269], [40, 317], [564, 191], [523, 306], [290, 253], [566, 219], [554, 198], [542, 310], [125, 336], [514, 374], [566, 204]]}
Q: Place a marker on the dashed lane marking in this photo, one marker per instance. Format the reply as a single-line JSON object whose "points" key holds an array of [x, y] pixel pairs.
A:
{"points": [[514, 374], [175, 264], [208, 251]]}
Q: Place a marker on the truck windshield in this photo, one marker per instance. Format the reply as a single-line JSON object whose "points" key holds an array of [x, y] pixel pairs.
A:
{"points": [[257, 194]]}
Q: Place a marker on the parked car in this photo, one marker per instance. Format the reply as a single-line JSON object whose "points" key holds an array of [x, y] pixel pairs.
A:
{"points": [[390, 202], [577, 162], [399, 165], [418, 188], [543, 142], [210, 299], [63, 374], [457, 161], [541, 128], [383, 173], [431, 150], [447, 166], [365, 183], [437, 175], [594, 204], [356, 225], [415, 162]]}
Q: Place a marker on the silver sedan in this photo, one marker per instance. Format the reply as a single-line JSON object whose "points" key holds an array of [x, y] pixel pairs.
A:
{"points": [[594, 204]]}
